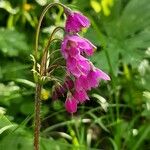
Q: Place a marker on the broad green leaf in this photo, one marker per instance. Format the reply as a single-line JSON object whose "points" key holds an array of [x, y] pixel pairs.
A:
{"points": [[4, 121], [12, 42]]}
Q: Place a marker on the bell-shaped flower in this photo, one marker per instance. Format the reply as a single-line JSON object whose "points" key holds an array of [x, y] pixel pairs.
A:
{"points": [[73, 45], [71, 104], [62, 89], [76, 21], [95, 75], [77, 66], [80, 96], [91, 80], [81, 83]]}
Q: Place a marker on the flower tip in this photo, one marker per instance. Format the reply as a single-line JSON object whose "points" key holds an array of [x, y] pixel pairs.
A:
{"points": [[71, 104], [102, 74], [76, 21], [94, 49], [108, 78], [67, 11]]}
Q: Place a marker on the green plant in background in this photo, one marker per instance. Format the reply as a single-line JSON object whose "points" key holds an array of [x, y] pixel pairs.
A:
{"points": [[122, 39], [41, 72], [104, 6], [82, 74]]}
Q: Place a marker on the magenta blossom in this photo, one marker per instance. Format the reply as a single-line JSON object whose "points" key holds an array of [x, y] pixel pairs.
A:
{"points": [[91, 80], [75, 49], [76, 21], [71, 104], [77, 66], [95, 76], [61, 90], [81, 83], [81, 96], [73, 45]]}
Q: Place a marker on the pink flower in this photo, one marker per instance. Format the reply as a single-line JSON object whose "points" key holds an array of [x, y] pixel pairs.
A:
{"points": [[76, 21], [81, 96], [73, 49], [94, 77], [71, 104], [77, 66], [73, 45], [81, 83], [61, 90], [91, 80]]}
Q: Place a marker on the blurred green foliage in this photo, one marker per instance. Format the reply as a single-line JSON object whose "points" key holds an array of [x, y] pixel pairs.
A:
{"points": [[118, 114]]}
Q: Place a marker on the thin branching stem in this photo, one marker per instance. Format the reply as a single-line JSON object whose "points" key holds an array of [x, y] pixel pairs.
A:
{"points": [[37, 122], [45, 51], [40, 22]]}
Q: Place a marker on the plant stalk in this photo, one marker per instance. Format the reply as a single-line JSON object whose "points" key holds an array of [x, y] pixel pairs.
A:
{"points": [[37, 121]]}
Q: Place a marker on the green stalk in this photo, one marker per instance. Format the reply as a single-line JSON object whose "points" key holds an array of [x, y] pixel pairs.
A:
{"points": [[40, 22], [113, 83], [37, 122]]}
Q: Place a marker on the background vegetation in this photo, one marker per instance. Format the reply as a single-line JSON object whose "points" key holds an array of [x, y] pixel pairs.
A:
{"points": [[117, 117]]}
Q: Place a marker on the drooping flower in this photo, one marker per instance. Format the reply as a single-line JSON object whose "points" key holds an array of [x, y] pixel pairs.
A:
{"points": [[61, 90], [80, 96], [81, 83], [77, 66], [71, 104], [91, 80], [74, 45], [75, 49], [94, 76], [76, 21]]}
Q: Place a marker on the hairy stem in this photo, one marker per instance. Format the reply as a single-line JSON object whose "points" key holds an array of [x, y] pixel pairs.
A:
{"points": [[42, 72], [37, 122]]}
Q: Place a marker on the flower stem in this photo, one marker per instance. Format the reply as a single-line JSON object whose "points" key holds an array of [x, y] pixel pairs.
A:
{"points": [[113, 83], [45, 51], [40, 22], [42, 71], [37, 122]]}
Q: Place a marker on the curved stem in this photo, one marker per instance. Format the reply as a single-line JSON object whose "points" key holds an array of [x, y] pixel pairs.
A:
{"points": [[52, 53], [45, 51], [59, 58], [39, 24], [37, 122]]}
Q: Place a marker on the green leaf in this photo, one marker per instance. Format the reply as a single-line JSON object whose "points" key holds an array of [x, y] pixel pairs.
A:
{"points": [[7, 6], [6, 128], [12, 70], [17, 141], [115, 147], [4, 121], [126, 35], [12, 42], [145, 131]]}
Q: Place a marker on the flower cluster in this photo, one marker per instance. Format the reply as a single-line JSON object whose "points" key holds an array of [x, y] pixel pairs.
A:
{"points": [[83, 73]]}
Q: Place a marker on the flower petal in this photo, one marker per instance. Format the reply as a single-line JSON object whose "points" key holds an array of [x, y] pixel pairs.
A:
{"points": [[71, 104], [81, 96], [76, 21]]}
